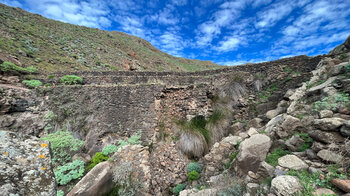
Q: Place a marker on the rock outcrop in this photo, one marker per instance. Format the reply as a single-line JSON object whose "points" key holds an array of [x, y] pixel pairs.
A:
{"points": [[25, 166]]}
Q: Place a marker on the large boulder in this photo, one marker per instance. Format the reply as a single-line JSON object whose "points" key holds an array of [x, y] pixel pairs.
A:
{"points": [[285, 185], [292, 162], [330, 156], [342, 184], [97, 182], [328, 124], [326, 137], [25, 165], [252, 152]]}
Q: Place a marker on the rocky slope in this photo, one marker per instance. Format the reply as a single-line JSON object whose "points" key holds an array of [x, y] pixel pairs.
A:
{"points": [[24, 39], [274, 128]]}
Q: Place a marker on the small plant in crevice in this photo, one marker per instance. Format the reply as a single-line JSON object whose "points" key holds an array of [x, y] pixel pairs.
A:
{"points": [[194, 166], [60, 193], [273, 157], [68, 172], [178, 188], [309, 85], [235, 190], [307, 141], [232, 157], [125, 181], [96, 159], [110, 149], [332, 102], [193, 175]]}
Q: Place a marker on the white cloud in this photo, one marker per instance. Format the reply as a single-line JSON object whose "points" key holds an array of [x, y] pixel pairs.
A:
{"points": [[11, 3], [228, 44], [274, 13], [91, 13]]}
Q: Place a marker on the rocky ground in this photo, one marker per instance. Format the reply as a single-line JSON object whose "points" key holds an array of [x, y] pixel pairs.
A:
{"points": [[300, 146]]}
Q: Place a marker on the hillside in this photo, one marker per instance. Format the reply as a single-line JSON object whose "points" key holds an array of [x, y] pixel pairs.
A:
{"points": [[31, 40]]}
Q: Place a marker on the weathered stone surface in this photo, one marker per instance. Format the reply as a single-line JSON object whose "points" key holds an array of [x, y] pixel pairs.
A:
{"points": [[272, 113], [292, 162], [324, 191], [220, 153], [252, 131], [252, 152], [97, 182], [342, 184], [252, 188], [326, 114], [330, 156], [25, 165], [255, 122], [195, 192], [328, 124], [285, 185], [326, 137], [345, 129], [290, 124]]}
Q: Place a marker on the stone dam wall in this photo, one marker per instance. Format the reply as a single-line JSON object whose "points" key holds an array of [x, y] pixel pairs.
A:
{"points": [[114, 105]]}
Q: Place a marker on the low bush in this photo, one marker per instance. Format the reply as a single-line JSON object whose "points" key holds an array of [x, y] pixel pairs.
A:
{"points": [[273, 157], [68, 172], [9, 67], [98, 158], [178, 188], [332, 102], [71, 80], [307, 141], [110, 149], [193, 175], [235, 190], [60, 193], [125, 181], [194, 167], [63, 146], [32, 83]]}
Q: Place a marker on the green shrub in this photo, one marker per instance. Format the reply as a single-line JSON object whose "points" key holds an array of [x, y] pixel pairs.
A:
{"points": [[71, 79], [63, 146], [50, 76], [215, 117], [273, 157], [60, 193], [178, 188], [98, 158], [332, 103], [232, 157], [235, 190], [107, 150], [343, 56], [12, 68], [32, 83], [193, 175], [68, 172], [194, 167]]}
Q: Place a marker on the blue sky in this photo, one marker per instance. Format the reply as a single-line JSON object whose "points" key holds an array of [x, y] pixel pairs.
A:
{"points": [[225, 32]]}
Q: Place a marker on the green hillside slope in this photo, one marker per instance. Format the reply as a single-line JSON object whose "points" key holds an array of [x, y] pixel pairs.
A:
{"points": [[29, 39]]}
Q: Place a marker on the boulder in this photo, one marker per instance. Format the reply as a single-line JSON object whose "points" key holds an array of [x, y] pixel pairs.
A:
{"points": [[294, 143], [25, 165], [252, 152], [292, 162], [252, 131], [272, 113], [256, 123], [345, 129], [330, 156], [326, 137], [97, 182], [328, 124], [195, 192], [325, 114], [342, 184], [290, 124], [252, 188], [286, 185], [323, 191]]}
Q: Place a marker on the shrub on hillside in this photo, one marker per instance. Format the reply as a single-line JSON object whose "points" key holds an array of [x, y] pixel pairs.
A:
{"points": [[71, 79], [273, 157], [9, 67], [124, 179], [193, 175], [110, 149], [32, 83], [235, 190], [63, 146], [68, 172]]}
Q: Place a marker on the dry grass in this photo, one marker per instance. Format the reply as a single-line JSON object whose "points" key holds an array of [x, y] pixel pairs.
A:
{"points": [[193, 145]]}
